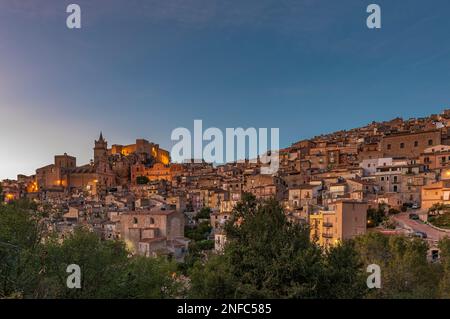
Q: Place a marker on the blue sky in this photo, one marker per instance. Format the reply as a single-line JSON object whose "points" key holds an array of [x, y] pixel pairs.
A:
{"points": [[142, 68]]}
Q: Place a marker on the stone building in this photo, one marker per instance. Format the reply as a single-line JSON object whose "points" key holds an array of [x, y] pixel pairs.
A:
{"points": [[64, 174], [303, 195], [155, 172], [402, 178], [369, 151], [436, 157], [110, 167], [142, 147], [409, 145], [150, 233], [436, 193], [342, 220], [265, 186]]}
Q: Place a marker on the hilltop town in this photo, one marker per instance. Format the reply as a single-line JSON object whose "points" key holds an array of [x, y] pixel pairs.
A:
{"points": [[330, 182]]}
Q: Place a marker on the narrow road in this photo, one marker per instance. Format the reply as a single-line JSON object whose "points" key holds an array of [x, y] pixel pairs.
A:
{"points": [[417, 225]]}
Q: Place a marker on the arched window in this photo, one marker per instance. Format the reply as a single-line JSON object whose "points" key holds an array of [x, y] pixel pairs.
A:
{"points": [[135, 220]]}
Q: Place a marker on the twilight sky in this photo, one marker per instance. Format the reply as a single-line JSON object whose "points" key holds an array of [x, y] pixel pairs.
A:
{"points": [[140, 68]]}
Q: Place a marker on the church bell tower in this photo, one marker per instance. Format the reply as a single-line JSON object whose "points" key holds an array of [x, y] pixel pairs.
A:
{"points": [[100, 149]]}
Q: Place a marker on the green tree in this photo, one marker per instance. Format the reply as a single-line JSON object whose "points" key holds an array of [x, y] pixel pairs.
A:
{"points": [[204, 213], [33, 268], [375, 216], [198, 251], [198, 232], [101, 262], [268, 256], [393, 211], [344, 275], [148, 278], [20, 235], [444, 284], [106, 270], [405, 270], [142, 180], [2, 196], [212, 280]]}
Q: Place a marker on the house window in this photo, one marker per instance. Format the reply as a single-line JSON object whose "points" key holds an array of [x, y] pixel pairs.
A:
{"points": [[430, 142], [135, 220], [402, 145], [416, 144], [395, 188], [389, 146]]}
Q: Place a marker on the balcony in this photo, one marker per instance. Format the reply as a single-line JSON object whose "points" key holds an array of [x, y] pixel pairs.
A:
{"points": [[327, 224], [325, 235]]}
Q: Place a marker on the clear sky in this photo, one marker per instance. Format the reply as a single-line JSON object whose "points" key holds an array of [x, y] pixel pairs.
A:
{"points": [[140, 68]]}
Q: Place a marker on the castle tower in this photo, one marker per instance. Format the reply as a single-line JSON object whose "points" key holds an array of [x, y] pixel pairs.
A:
{"points": [[100, 149]]}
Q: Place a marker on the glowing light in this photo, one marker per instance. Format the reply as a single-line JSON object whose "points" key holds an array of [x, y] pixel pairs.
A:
{"points": [[32, 187], [129, 245]]}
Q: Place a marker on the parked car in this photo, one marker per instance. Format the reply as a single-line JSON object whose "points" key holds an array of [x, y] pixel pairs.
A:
{"points": [[415, 206], [420, 234], [414, 216]]}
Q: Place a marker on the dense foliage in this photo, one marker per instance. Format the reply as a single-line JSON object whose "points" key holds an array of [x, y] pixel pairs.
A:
{"points": [[375, 216], [204, 213], [269, 257], [266, 256], [32, 268], [142, 180]]}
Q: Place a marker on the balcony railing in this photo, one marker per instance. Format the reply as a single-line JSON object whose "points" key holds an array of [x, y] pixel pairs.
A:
{"points": [[327, 224], [325, 235]]}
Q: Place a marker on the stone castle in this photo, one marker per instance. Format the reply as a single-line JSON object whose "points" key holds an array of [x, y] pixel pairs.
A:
{"points": [[111, 167]]}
